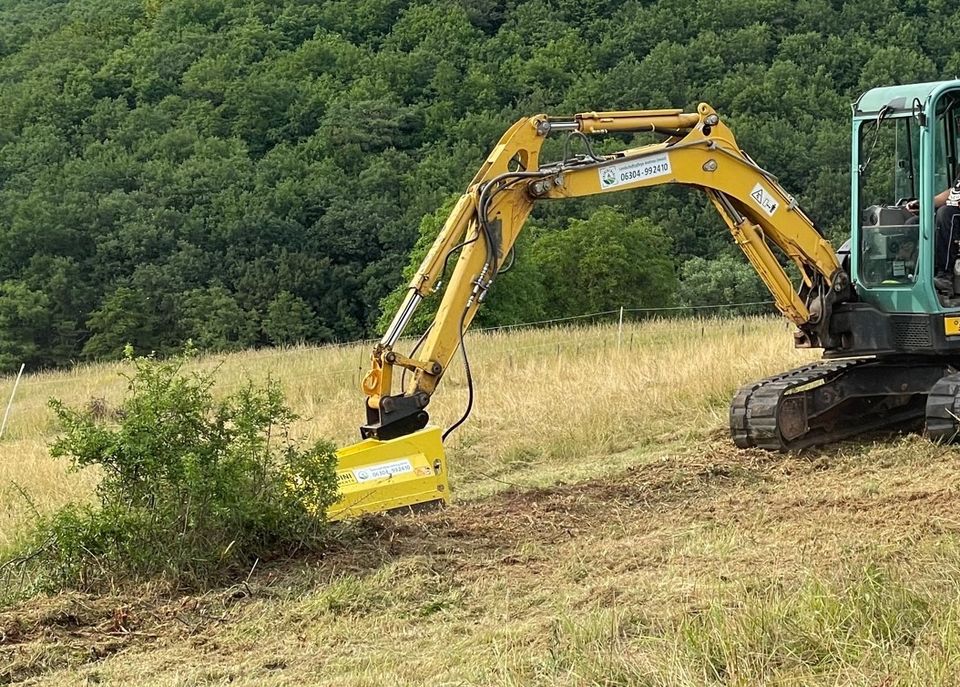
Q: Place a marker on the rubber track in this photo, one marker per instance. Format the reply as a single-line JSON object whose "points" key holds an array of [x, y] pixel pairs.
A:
{"points": [[753, 411]]}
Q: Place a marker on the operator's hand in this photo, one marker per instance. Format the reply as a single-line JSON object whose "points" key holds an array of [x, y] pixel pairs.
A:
{"points": [[913, 206]]}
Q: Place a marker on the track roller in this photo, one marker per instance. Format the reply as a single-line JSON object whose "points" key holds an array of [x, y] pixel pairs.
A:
{"points": [[943, 410]]}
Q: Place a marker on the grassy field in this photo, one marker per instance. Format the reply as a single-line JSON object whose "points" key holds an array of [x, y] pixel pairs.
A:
{"points": [[606, 532]]}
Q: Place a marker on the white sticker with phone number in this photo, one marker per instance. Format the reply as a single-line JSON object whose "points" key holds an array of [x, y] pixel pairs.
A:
{"points": [[381, 470], [634, 171]]}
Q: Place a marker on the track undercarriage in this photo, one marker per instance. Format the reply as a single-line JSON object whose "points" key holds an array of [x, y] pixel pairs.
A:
{"points": [[831, 400]]}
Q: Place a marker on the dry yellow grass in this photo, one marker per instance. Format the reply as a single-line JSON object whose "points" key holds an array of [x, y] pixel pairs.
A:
{"points": [[551, 404], [638, 547]]}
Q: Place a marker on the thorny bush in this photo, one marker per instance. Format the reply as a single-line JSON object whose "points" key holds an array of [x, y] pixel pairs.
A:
{"points": [[192, 488]]}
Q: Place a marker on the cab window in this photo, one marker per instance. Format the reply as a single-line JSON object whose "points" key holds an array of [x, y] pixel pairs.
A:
{"points": [[888, 175]]}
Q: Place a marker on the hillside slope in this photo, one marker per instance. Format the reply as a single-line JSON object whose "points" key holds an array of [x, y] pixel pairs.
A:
{"points": [[239, 172], [699, 565]]}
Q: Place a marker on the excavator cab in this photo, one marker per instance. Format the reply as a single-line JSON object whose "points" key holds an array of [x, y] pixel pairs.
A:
{"points": [[893, 353], [905, 141]]}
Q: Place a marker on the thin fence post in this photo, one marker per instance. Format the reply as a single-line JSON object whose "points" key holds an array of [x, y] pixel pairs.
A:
{"points": [[6, 415], [620, 330]]}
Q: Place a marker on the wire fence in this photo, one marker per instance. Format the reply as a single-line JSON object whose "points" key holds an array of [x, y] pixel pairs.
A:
{"points": [[678, 309], [615, 316]]}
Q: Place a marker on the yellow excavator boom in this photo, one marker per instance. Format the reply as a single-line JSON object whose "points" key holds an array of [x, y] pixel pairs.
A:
{"points": [[400, 456]]}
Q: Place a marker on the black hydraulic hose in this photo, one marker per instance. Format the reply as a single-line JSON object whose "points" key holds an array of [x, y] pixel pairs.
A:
{"points": [[486, 197], [446, 259], [565, 155], [511, 258], [881, 117], [463, 244], [913, 180], [466, 368]]}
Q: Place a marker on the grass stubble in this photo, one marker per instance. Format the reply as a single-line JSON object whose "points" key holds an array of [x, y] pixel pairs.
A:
{"points": [[606, 532]]}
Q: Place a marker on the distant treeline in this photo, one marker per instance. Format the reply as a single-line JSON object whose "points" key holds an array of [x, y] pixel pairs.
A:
{"points": [[242, 172]]}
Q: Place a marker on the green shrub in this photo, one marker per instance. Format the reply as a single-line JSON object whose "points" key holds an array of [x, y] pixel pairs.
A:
{"points": [[192, 488], [727, 278]]}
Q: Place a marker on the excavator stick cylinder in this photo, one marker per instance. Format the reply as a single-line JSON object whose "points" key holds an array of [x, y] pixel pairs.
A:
{"points": [[376, 476]]}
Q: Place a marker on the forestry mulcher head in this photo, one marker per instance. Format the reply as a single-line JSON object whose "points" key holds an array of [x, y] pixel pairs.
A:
{"points": [[409, 472]]}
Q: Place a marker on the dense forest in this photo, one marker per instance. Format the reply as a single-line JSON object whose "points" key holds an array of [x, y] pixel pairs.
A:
{"points": [[243, 173]]}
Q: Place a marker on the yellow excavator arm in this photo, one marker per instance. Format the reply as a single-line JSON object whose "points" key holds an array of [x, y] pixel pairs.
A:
{"points": [[698, 150]]}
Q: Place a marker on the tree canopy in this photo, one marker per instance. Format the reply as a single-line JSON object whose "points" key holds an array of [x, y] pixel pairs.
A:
{"points": [[241, 172]]}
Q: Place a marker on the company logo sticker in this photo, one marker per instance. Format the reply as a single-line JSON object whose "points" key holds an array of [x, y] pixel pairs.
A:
{"points": [[382, 470], [632, 171]]}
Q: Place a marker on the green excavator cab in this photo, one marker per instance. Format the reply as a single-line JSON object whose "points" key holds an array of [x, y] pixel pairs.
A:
{"points": [[905, 141]]}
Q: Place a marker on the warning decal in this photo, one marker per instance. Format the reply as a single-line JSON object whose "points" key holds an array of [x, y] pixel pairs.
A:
{"points": [[764, 199]]}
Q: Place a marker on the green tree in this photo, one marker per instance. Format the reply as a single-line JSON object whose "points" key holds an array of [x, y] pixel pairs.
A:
{"points": [[290, 320], [213, 320], [721, 280], [603, 262], [126, 317], [24, 324]]}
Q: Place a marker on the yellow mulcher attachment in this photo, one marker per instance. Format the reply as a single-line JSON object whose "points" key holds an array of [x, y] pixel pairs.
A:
{"points": [[376, 476]]}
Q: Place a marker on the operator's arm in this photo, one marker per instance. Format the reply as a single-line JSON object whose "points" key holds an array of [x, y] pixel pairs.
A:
{"points": [[699, 151], [940, 199]]}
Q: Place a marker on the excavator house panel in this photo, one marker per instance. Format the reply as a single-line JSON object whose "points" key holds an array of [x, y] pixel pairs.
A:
{"points": [[376, 476]]}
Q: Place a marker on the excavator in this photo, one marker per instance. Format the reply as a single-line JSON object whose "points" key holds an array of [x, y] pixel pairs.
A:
{"points": [[889, 331]]}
